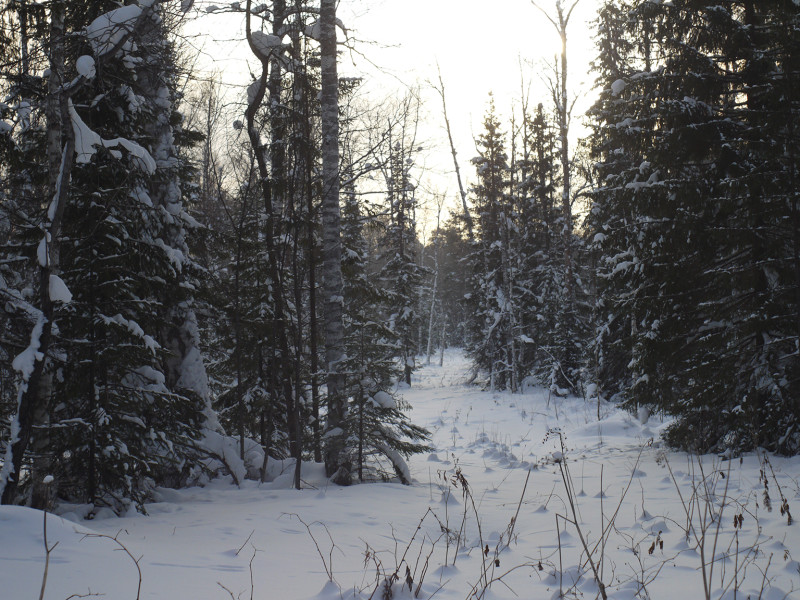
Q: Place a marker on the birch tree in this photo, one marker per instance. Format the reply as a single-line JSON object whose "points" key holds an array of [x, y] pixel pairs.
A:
{"points": [[331, 245]]}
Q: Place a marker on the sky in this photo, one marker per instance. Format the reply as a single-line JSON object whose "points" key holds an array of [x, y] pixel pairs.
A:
{"points": [[481, 46]]}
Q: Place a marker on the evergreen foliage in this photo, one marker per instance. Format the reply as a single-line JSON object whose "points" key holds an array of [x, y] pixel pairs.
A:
{"points": [[116, 421], [377, 430], [695, 219], [454, 247], [401, 273], [490, 304], [686, 271]]}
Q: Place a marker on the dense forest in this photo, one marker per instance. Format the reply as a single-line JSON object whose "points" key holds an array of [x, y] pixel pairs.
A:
{"points": [[188, 288]]}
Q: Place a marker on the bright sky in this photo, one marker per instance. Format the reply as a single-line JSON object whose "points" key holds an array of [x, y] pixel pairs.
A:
{"points": [[479, 45]]}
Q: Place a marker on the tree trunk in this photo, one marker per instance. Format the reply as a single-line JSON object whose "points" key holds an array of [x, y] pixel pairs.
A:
{"points": [[462, 192], [304, 169], [435, 291], [441, 341], [332, 247], [564, 112]]}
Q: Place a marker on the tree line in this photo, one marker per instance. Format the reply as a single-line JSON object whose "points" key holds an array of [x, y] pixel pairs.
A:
{"points": [[680, 290]]}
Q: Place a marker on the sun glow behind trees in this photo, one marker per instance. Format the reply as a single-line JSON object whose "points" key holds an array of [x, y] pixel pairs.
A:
{"points": [[507, 48]]}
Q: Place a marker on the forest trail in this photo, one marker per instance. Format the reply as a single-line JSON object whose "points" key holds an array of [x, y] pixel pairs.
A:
{"points": [[219, 540]]}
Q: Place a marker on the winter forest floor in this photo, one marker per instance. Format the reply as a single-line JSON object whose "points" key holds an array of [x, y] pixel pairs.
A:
{"points": [[272, 542]]}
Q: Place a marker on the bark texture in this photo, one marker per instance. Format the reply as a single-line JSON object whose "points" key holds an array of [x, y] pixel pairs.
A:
{"points": [[331, 242]]}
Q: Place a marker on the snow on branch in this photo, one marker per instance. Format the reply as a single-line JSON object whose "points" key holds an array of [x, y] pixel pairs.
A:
{"points": [[25, 360], [265, 43], [87, 142], [135, 329], [313, 30], [109, 30], [58, 290], [85, 66]]}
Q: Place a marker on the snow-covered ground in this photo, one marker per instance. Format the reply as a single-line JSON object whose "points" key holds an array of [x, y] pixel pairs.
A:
{"points": [[272, 542]]}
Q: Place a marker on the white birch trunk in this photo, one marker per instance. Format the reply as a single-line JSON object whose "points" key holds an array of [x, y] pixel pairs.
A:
{"points": [[462, 192], [332, 247]]}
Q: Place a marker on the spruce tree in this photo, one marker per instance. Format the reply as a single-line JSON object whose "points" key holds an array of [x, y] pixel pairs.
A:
{"points": [[378, 432], [114, 417], [401, 273], [489, 302], [538, 294], [692, 218]]}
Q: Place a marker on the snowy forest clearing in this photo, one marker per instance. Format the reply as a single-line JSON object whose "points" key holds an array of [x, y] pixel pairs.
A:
{"points": [[221, 541]]}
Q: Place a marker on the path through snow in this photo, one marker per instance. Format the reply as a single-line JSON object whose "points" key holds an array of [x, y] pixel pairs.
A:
{"points": [[210, 543]]}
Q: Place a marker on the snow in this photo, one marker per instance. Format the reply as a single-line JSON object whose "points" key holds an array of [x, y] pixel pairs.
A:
{"points": [[265, 43], [336, 431], [87, 142], [617, 87], [384, 400], [397, 461], [313, 30], [41, 251], [135, 329], [226, 449], [58, 290], [85, 66], [195, 541], [175, 256], [140, 156], [23, 111], [252, 91], [193, 375], [108, 30], [24, 362], [622, 266]]}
